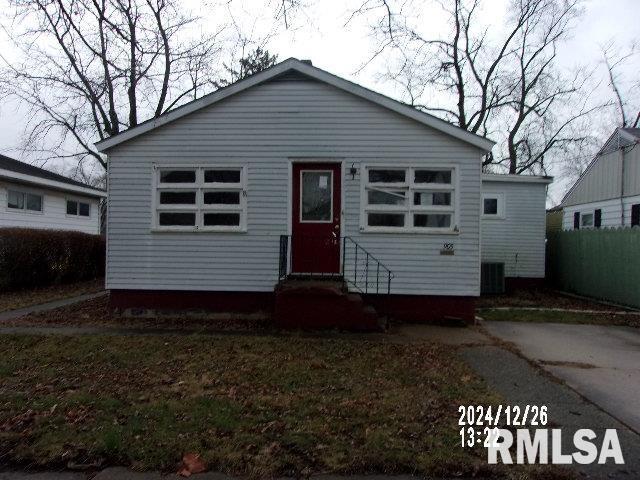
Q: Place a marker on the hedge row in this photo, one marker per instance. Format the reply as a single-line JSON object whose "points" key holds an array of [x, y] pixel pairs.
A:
{"points": [[38, 258]]}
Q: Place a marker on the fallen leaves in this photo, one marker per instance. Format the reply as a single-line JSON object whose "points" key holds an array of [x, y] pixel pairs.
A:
{"points": [[191, 463]]}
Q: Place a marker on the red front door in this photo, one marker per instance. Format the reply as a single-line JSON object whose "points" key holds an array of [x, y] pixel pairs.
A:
{"points": [[315, 241]]}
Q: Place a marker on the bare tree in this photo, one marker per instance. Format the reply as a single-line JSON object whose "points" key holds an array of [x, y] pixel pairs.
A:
{"points": [[495, 82], [90, 68], [615, 61]]}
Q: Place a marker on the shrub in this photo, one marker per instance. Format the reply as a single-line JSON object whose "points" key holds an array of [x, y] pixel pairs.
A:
{"points": [[38, 258]]}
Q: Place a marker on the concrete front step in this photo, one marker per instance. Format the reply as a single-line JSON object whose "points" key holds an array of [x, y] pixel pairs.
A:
{"points": [[303, 304]]}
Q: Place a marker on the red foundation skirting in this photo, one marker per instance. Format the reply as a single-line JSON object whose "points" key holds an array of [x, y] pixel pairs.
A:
{"points": [[409, 308], [425, 308], [241, 302]]}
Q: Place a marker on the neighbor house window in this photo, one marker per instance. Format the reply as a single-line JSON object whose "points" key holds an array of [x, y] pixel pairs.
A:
{"points": [[200, 198], [586, 220], [416, 199], [17, 200], [78, 208], [635, 215], [493, 205]]}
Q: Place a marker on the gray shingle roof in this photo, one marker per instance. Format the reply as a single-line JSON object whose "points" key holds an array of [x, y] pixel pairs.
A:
{"points": [[633, 131], [7, 163]]}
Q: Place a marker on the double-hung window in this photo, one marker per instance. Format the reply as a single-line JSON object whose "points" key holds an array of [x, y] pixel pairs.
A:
{"points": [[413, 199], [200, 199], [77, 208], [26, 201]]}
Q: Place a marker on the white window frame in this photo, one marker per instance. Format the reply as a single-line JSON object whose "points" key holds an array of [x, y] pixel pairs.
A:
{"points": [[25, 192], [78, 201], [411, 187], [587, 214], [500, 214], [330, 172], [199, 208]]}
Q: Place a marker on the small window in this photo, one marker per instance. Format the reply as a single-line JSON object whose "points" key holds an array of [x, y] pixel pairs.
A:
{"points": [[490, 206], [432, 198], [386, 219], [222, 176], [432, 220], [72, 207], [222, 219], [390, 197], [387, 176], [493, 205], [433, 176], [635, 215], [177, 176], [34, 202], [177, 218], [84, 209], [178, 198], [222, 198], [586, 220], [16, 200]]}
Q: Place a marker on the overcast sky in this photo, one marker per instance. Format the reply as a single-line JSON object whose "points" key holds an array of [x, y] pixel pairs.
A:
{"points": [[321, 35]]}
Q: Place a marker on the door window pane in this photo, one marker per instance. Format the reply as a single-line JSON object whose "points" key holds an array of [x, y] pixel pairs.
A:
{"points": [[222, 176], [222, 219], [432, 220], [432, 198], [222, 198], [386, 219], [34, 202], [177, 218], [177, 176], [316, 194], [490, 206], [387, 176], [72, 207], [16, 200], [377, 197], [84, 209], [433, 176], [178, 198]]}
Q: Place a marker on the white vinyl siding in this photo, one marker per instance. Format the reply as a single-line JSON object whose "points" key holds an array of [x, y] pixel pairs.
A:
{"points": [[517, 238], [611, 212], [264, 128], [54, 210]]}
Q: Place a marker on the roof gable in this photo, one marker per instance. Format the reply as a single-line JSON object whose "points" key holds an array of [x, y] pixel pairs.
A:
{"points": [[293, 68]]}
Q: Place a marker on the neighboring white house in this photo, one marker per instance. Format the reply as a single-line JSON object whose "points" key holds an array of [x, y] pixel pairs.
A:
{"points": [[513, 226], [607, 194], [31, 197], [290, 172]]}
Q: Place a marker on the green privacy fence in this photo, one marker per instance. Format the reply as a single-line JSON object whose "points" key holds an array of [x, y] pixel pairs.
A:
{"points": [[603, 263]]}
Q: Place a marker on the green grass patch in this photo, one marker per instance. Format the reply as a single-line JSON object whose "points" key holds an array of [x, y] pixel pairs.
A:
{"points": [[256, 406], [551, 316]]}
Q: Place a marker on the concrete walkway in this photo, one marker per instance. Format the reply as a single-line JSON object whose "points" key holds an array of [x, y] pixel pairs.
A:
{"points": [[43, 307], [601, 362], [522, 384]]}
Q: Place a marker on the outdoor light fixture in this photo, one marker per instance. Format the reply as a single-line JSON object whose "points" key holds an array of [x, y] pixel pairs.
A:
{"points": [[353, 170]]}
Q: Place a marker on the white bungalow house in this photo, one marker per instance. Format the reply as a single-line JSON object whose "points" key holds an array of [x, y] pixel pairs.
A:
{"points": [[607, 194], [32, 197], [235, 200]]}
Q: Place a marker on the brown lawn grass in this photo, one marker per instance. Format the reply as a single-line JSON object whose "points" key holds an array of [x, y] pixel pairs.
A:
{"points": [[252, 405]]}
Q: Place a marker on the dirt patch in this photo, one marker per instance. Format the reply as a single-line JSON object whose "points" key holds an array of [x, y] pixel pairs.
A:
{"points": [[540, 298], [27, 298], [96, 313]]}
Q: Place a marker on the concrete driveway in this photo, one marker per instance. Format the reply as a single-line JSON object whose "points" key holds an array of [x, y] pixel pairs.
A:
{"points": [[601, 363]]}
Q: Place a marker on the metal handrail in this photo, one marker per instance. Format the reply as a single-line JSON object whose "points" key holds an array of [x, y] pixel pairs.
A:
{"points": [[369, 259]]}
